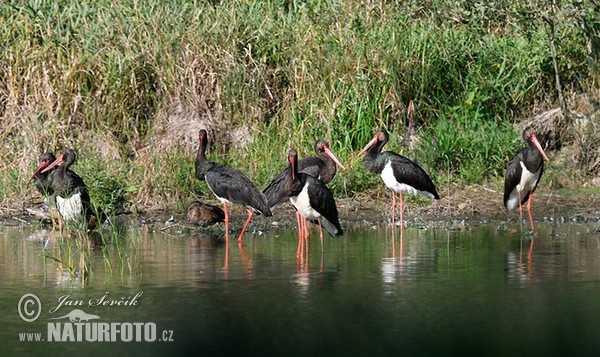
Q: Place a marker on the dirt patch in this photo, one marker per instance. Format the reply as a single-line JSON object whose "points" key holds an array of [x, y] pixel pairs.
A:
{"points": [[474, 202]]}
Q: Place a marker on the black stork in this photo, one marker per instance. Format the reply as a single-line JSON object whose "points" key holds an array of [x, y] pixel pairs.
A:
{"points": [[229, 185], [43, 181], [399, 173], [322, 166], [523, 174], [312, 199], [72, 197]]}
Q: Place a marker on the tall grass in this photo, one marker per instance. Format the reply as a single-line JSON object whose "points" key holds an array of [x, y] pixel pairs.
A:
{"points": [[129, 83]]}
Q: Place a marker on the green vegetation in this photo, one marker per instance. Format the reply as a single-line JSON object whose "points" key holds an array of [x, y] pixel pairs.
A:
{"points": [[130, 83]]}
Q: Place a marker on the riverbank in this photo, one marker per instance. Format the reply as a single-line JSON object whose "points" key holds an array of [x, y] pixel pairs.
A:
{"points": [[470, 203], [454, 88]]}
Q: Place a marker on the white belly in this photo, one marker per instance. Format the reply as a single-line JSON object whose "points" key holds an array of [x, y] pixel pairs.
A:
{"points": [[387, 175], [528, 179], [302, 204], [527, 184], [69, 208]]}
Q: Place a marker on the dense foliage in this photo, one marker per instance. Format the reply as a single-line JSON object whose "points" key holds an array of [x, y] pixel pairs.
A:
{"points": [[129, 83]]}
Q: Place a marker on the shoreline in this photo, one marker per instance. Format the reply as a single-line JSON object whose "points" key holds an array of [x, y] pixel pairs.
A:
{"points": [[472, 202]]}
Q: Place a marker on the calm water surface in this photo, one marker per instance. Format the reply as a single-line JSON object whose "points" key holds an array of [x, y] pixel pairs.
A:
{"points": [[478, 289]]}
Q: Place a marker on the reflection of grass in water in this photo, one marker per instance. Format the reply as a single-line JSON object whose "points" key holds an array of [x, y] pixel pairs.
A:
{"points": [[71, 254], [73, 251], [126, 246]]}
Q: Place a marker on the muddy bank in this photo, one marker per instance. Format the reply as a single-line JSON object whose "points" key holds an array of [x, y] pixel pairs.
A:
{"points": [[474, 202]]}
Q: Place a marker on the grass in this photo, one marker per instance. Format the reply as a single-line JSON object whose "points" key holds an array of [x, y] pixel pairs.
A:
{"points": [[129, 84], [77, 250]]}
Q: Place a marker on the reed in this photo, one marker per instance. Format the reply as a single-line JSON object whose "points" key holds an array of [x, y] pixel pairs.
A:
{"points": [[129, 84]]}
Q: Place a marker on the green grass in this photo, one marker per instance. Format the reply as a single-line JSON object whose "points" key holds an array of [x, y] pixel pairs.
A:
{"points": [[75, 251], [124, 83], [472, 150]]}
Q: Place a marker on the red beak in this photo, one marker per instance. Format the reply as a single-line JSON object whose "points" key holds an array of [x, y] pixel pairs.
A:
{"points": [[538, 146], [329, 153], [371, 143], [38, 170], [58, 160]]}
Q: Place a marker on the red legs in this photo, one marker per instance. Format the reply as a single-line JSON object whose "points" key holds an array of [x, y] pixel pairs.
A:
{"points": [[394, 223], [306, 231], [305, 246], [519, 270], [226, 236], [246, 260], [226, 221], [54, 220], [303, 240], [394, 211], [250, 214], [400, 259], [303, 235], [306, 234], [401, 241], [302, 258], [401, 212], [300, 222], [244, 255], [300, 249], [60, 222], [302, 252], [528, 209], [226, 254], [529, 258], [320, 230], [322, 266], [322, 245], [530, 253]]}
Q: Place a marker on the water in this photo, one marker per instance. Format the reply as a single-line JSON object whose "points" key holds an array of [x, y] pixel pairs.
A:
{"points": [[477, 289]]}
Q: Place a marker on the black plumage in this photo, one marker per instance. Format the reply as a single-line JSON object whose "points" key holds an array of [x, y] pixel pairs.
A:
{"points": [[523, 173], [43, 181], [229, 185], [399, 173], [322, 166], [72, 196], [311, 198]]}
